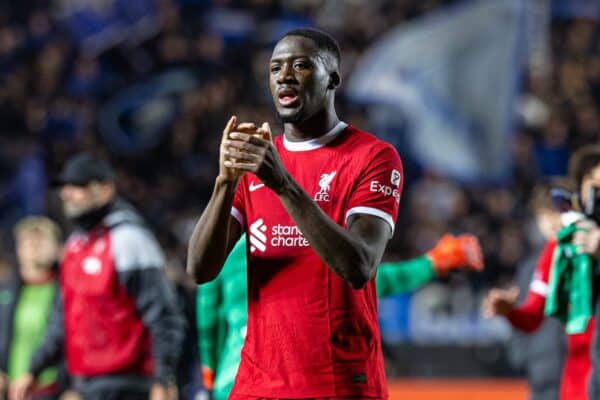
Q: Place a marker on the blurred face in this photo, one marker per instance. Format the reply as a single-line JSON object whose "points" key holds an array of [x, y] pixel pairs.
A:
{"points": [[298, 79], [548, 222], [36, 249], [79, 200], [592, 179]]}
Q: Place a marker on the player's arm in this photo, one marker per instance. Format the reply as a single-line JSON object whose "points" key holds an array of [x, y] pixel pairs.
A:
{"points": [[353, 253], [404, 276], [207, 312], [503, 302], [450, 253], [529, 316], [215, 232]]}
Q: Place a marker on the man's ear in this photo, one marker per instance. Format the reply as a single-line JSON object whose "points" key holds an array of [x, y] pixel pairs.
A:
{"points": [[334, 80]]}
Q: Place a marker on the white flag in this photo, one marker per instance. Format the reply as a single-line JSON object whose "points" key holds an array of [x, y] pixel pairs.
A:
{"points": [[452, 76]]}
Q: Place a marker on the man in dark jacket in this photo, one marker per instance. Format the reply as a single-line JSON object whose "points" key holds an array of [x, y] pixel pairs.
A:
{"points": [[118, 322]]}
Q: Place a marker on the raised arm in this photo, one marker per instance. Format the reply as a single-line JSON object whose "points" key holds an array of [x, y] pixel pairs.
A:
{"points": [[208, 311], [450, 253], [404, 276], [215, 234]]}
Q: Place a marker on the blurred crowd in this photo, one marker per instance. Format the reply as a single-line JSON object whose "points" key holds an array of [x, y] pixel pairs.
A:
{"points": [[55, 95], [155, 104]]}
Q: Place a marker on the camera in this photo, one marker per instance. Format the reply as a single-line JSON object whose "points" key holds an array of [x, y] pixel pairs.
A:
{"points": [[591, 207]]}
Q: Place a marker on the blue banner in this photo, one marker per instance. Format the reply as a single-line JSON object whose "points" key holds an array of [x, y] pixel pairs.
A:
{"points": [[452, 79]]}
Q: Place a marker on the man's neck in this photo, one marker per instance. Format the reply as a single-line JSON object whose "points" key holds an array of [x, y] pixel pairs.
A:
{"points": [[311, 128], [93, 218]]}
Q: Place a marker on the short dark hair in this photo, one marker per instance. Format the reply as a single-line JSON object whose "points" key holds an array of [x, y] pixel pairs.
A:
{"points": [[324, 41], [583, 161]]}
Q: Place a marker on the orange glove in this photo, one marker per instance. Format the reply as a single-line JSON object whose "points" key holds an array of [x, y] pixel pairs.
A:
{"points": [[452, 252], [208, 378]]}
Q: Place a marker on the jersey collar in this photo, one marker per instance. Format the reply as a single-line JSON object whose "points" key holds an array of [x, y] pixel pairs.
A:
{"points": [[312, 144]]}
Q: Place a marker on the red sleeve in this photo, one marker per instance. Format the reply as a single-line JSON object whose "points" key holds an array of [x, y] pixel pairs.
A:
{"points": [[379, 187], [238, 207], [529, 316]]}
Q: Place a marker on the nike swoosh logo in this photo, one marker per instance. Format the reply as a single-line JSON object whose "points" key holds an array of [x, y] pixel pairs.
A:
{"points": [[254, 186]]}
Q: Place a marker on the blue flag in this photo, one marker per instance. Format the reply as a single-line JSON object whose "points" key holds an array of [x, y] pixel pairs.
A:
{"points": [[452, 79]]}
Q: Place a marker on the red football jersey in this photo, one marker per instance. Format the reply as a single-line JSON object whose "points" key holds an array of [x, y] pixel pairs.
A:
{"points": [[309, 333]]}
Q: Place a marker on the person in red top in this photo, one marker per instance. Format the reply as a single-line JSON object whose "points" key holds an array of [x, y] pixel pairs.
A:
{"points": [[319, 205], [529, 316]]}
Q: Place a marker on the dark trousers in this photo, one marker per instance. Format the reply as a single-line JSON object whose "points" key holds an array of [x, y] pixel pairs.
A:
{"points": [[113, 387], [110, 394]]}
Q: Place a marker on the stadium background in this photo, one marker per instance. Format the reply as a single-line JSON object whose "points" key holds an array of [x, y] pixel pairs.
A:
{"points": [[150, 83]]}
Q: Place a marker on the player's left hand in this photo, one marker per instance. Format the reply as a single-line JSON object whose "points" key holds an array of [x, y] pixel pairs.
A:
{"points": [[256, 153], [452, 252]]}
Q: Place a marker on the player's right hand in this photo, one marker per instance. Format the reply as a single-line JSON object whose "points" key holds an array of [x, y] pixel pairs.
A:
{"points": [[500, 302], [229, 174], [22, 387]]}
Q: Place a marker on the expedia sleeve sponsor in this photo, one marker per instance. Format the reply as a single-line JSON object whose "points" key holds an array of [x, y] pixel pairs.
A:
{"points": [[379, 186], [385, 190]]}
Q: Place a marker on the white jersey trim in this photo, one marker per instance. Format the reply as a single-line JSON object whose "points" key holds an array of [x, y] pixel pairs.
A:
{"points": [[235, 213], [315, 143], [539, 287], [372, 211]]}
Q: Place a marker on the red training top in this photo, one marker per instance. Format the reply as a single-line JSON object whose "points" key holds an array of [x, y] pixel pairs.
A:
{"points": [[104, 333]]}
